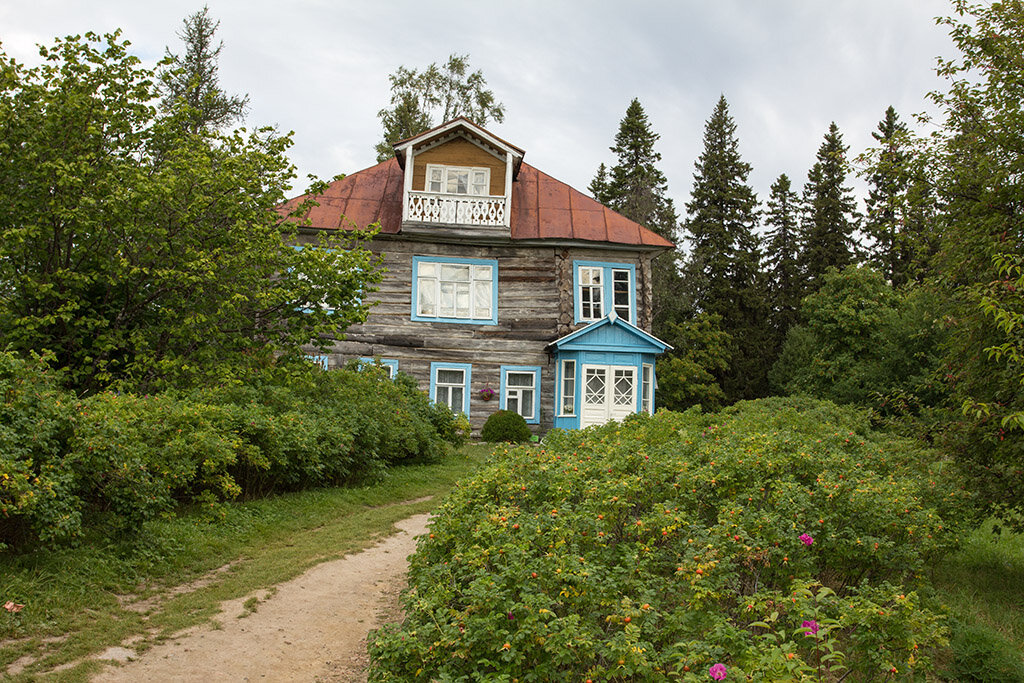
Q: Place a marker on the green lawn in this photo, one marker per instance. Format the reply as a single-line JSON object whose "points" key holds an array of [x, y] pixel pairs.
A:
{"points": [[77, 592], [983, 586]]}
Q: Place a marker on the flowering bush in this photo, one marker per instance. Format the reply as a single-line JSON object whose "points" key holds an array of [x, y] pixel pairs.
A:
{"points": [[779, 539]]}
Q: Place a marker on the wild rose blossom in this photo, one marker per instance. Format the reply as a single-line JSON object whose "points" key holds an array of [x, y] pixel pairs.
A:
{"points": [[812, 627], [718, 671], [807, 539]]}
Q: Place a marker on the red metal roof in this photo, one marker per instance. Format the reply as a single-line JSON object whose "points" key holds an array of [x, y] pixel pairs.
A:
{"points": [[542, 208]]}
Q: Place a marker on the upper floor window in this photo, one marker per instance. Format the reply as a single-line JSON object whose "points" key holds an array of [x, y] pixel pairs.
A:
{"points": [[455, 290], [458, 180], [602, 287]]}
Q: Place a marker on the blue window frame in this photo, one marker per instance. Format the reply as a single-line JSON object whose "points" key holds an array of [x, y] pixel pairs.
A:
{"points": [[390, 363], [449, 384], [453, 290], [520, 391], [600, 286], [319, 360]]}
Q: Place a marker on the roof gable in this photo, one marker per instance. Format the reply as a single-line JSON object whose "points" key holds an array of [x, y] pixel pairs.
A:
{"points": [[611, 333]]}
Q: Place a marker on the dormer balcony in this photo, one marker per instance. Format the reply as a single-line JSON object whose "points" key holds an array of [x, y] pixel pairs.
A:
{"points": [[441, 208]]}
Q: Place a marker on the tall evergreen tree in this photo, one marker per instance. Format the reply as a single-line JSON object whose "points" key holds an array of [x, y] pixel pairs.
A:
{"points": [[900, 204], [421, 99], [781, 257], [636, 188], [191, 80], [722, 273], [830, 217]]}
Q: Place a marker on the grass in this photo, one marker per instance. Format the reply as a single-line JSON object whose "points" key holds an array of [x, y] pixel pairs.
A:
{"points": [[983, 586], [74, 597]]}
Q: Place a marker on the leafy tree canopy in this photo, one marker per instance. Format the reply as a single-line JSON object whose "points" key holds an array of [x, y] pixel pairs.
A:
{"points": [[191, 80], [142, 251], [422, 99], [979, 171]]}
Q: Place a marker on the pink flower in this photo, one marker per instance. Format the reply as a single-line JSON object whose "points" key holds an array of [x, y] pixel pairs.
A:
{"points": [[718, 672], [12, 606], [812, 627], [807, 539]]}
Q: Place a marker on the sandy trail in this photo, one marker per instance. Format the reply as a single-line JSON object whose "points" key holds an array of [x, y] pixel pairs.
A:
{"points": [[313, 628]]}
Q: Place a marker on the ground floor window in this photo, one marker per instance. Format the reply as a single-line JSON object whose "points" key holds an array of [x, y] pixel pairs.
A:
{"points": [[647, 391], [520, 387], [389, 365], [567, 406], [449, 384]]}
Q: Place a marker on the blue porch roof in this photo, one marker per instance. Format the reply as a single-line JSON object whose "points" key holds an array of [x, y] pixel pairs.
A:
{"points": [[610, 333]]}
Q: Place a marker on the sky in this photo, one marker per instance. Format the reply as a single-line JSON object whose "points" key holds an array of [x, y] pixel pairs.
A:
{"points": [[565, 70]]}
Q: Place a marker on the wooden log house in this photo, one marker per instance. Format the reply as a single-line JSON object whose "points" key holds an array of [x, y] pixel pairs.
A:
{"points": [[499, 278]]}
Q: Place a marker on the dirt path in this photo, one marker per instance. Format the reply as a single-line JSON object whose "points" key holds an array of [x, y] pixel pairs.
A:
{"points": [[312, 628]]}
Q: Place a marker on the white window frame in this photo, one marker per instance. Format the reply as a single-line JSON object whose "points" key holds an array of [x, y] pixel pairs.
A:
{"points": [[647, 388], [593, 300], [467, 373], [475, 313], [567, 388], [508, 391], [478, 180]]}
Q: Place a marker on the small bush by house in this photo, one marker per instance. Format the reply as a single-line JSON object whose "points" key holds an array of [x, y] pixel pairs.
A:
{"points": [[505, 426]]}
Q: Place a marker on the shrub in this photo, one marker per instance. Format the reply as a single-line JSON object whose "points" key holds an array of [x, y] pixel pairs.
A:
{"points": [[117, 460], [781, 538], [37, 497], [505, 426]]}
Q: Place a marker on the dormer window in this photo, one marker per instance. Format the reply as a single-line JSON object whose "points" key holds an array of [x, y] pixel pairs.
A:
{"points": [[458, 180]]}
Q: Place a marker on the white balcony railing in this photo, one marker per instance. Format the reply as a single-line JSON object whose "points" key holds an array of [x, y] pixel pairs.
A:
{"points": [[436, 207]]}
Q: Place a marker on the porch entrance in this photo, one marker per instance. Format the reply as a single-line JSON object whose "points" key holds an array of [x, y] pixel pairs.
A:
{"points": [[609, 393]]}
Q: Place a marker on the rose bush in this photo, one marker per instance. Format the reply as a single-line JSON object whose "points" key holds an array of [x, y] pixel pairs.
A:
{"points": [[659, 548]]}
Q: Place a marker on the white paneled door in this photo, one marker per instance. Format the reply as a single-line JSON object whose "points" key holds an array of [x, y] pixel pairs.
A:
{"points": [[609, 393]]}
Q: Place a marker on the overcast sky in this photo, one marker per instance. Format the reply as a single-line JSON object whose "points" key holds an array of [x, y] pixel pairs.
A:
{"points": [[565, 69]]}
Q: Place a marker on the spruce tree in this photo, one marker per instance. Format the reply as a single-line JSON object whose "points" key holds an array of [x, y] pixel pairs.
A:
{"points": [[900, 204], [722, 274], [191, 80], [830, 217], [781, 253], [636, 188]]}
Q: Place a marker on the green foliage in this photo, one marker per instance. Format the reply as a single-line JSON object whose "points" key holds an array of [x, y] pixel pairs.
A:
{"points": [[653, 549], [830, 213], [722, 274], [144, 254], [422, 99], [113, 461], [190, 81], [901, 206], [686, 377], [867, 344], [781, 262], [36, 494], [978, 169], [505, 426]]}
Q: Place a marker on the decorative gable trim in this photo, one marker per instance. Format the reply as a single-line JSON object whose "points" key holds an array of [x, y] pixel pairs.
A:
{"points": [[469, 130], [611, 333]]}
